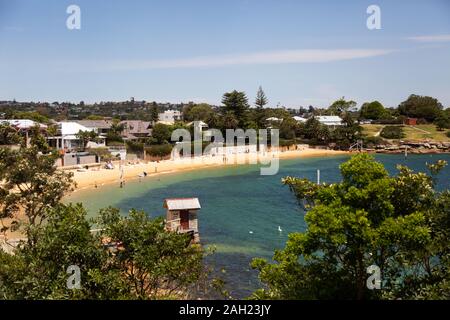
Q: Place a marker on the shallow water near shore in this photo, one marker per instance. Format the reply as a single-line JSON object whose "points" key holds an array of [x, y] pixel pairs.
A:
{"points": [[241, 210]]}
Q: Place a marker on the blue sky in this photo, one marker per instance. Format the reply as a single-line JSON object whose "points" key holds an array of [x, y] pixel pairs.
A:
{"points": [[300, 52]]}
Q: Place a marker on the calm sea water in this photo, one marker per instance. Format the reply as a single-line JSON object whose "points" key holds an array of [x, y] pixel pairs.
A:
{"points": [[241, 210]]}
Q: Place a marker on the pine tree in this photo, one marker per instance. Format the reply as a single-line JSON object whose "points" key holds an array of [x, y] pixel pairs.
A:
{"points": [[261, 99]]}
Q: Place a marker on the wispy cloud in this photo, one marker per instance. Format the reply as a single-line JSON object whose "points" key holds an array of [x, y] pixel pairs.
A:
{"points": [[258, 58], [431, 38]]}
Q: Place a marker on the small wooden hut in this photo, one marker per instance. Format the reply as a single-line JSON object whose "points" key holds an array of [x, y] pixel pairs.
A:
{"points": [[181, 216]]}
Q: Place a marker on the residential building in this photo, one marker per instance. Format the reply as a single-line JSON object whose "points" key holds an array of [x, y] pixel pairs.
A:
{"points": [[136, 129], [330, 120], [66, 138], [169, 116]]}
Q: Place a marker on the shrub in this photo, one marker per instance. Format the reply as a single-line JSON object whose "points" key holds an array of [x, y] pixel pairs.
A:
{"points": [[372, 141], [161, 150], [392, 132], [448, 134], [134, 146]]}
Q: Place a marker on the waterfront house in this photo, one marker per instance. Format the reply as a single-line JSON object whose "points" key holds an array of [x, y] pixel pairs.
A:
{"points": [[330, 120], [66, 138], [136, 129], [24, 126], [101, 127], [181, 216], [299, 119]]}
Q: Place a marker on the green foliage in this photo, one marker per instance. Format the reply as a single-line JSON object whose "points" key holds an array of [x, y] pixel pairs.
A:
{"points": [[154, 112], [38, 270], [236, 103], [114, 134], [85, 137], [392, 132], [198, 112], [31, 183], [9, 135], [134, 146], [373, 110], [261, 99], [161, 133], [341, 106], [397, 223], [287, 128], [420, 107], [159, 150], [155, 263], [442, 121], [30, 115]]}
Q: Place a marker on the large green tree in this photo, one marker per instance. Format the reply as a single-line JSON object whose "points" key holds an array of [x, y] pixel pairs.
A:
{"points": [[32, 183], [341, 106], [237, 103], [417, 106], [369, 218], [372, 110]]}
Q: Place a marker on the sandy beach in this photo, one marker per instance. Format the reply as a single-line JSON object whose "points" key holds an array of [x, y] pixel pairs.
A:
{"points": [[96, 177]]}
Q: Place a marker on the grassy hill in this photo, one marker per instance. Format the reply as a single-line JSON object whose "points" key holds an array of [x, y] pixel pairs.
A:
{"points": [[423, 132]]}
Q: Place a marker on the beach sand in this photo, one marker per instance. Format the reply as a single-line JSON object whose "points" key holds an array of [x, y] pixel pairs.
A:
{"points": [[99, 176]]}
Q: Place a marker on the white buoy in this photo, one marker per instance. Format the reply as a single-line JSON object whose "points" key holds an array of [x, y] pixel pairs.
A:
{"points": [[251, 232], [279, 229]]}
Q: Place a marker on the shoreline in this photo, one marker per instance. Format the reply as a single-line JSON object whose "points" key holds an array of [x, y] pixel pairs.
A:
{"points": [[93, 178]]}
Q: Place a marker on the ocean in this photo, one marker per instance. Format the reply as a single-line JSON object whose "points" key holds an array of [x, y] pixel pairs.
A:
{"points": [[241, 210]]}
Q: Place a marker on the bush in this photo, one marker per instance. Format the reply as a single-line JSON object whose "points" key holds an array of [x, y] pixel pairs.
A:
{"points": [[286, 142], [392, 132], [372, 141], [159, 150], [448, 134], [135, 146]]}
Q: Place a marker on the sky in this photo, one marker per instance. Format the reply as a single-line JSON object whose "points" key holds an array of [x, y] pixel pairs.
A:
{"points": [[301, 52]]}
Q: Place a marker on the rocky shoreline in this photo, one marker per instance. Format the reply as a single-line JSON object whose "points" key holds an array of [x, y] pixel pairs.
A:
{"points": [[412, 148]]}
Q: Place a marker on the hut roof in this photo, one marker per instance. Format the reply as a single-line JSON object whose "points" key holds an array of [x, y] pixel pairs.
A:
{"points": [[182, 204]]}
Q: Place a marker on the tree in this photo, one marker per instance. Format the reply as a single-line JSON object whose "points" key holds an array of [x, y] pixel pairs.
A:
{"points": [[38, 270], [347, 134], [85, 137], [372, 110], [421, 107], [369, 218], [155, 263], [9, 135], [392, 132], [288, 128], [198, 112], [161, 133], [237, 103], [30, 182], [316, 131], [115, 132], [154, 112], [341, 106], [261, 99], [230, 121], [442, 121]]}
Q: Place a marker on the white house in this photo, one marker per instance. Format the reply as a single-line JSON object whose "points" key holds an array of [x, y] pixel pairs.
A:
{"points": [[330, 120], [23, 124], [169, 116], [273, 119], [67, 139], [299, 119]]}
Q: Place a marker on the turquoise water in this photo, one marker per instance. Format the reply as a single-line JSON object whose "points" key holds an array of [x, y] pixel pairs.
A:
{"points": [[241, 210]]}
